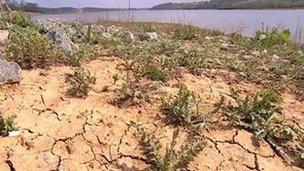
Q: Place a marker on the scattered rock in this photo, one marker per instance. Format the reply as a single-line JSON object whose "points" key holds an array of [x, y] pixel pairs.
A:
{"points": [[274, 57], [13, 133], [129, 35], [113, 30], [3, 36], [300, 53], [225, 46], [107, 35], [60, 37], [256, 53], [247, 56], [10, 72], [152, 35]]}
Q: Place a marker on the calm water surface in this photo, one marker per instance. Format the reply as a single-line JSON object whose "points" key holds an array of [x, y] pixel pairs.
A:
{"points": [[244, 21]]}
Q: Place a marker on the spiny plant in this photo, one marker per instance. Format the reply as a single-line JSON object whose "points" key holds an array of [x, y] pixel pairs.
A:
{"points": [[7, 125], [173, 159], [81, 83], [261, 115], [183, 109]]}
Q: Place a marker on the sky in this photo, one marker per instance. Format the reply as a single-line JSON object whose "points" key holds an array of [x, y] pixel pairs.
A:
{"points": [[103, 3]]}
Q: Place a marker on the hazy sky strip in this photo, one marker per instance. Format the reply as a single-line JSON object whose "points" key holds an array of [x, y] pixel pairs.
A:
{"points": [[103, 3]]}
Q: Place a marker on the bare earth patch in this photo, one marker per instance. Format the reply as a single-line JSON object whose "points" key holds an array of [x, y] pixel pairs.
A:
{"points": [[63, 133]]}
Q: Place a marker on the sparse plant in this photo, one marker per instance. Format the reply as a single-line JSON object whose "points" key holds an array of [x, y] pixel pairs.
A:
{"points": [[81, 83], [154, 73], [173, 159], [7, 125], [261, 115], [187, 33], [183, 109]]}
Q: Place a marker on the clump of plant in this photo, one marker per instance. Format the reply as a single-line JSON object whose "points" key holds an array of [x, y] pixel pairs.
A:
{"points": [[267, 38], [154, 73], [81, 83], [132, 92], [29, 48], [186, 33], [173, 159], [7, 125], [183, 109], [261, 115]]}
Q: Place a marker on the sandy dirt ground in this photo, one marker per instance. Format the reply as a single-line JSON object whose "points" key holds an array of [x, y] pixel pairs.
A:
{"points": [[63, 133]]}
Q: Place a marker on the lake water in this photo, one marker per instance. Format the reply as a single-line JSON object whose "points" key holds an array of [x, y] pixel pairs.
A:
{"points": [[244, 21]]}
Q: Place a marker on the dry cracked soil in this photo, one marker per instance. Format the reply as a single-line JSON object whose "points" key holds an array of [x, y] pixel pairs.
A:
{"points": [[63, 133]]}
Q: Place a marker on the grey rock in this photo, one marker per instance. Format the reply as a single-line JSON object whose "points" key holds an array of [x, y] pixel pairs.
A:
{"points": [[256, 53], [10, 72], [152, 35], [274, 57], [59, 36], [129, 35], [3, 36]]}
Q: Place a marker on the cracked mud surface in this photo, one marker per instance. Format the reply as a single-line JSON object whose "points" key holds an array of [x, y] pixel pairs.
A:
{"points": [[62, 133]]}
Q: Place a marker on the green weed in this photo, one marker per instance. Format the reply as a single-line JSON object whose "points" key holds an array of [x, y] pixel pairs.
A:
{"points": [[173, 159], [7, 125], [81, 83]]}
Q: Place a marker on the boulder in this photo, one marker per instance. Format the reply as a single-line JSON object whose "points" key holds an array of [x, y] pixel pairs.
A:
{"points": [[10, 72], [129, 35], [59, 36], [3, 36]]}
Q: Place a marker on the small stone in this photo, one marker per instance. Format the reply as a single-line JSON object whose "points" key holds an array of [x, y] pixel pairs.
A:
{"points": [[284, 77], [247, 56], [225, 46], [10, 72], [152, 35], [256, 53], [274, 57], [3, 36], [300, 53], [129, 35], [13, 133], [107, 35]]}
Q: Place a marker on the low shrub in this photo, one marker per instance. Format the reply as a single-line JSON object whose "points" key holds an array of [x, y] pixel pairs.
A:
{"points": [[182, 109], [267, 38], [173, 159], [261, 115], [186, 33], [81, 83], [29, 48], [153, 73]]}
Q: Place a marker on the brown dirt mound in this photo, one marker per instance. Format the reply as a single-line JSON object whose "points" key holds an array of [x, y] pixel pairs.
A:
{"points": [[62, 133]]}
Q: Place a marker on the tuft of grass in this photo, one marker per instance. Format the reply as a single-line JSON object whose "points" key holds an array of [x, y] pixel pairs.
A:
{"points": [[187, 33], [261, 115], [7, 125], [173, 159], [81, 83]]}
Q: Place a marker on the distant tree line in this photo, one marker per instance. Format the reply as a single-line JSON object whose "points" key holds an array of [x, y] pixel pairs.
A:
{"points": [[234, 4], [22, 5]]}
